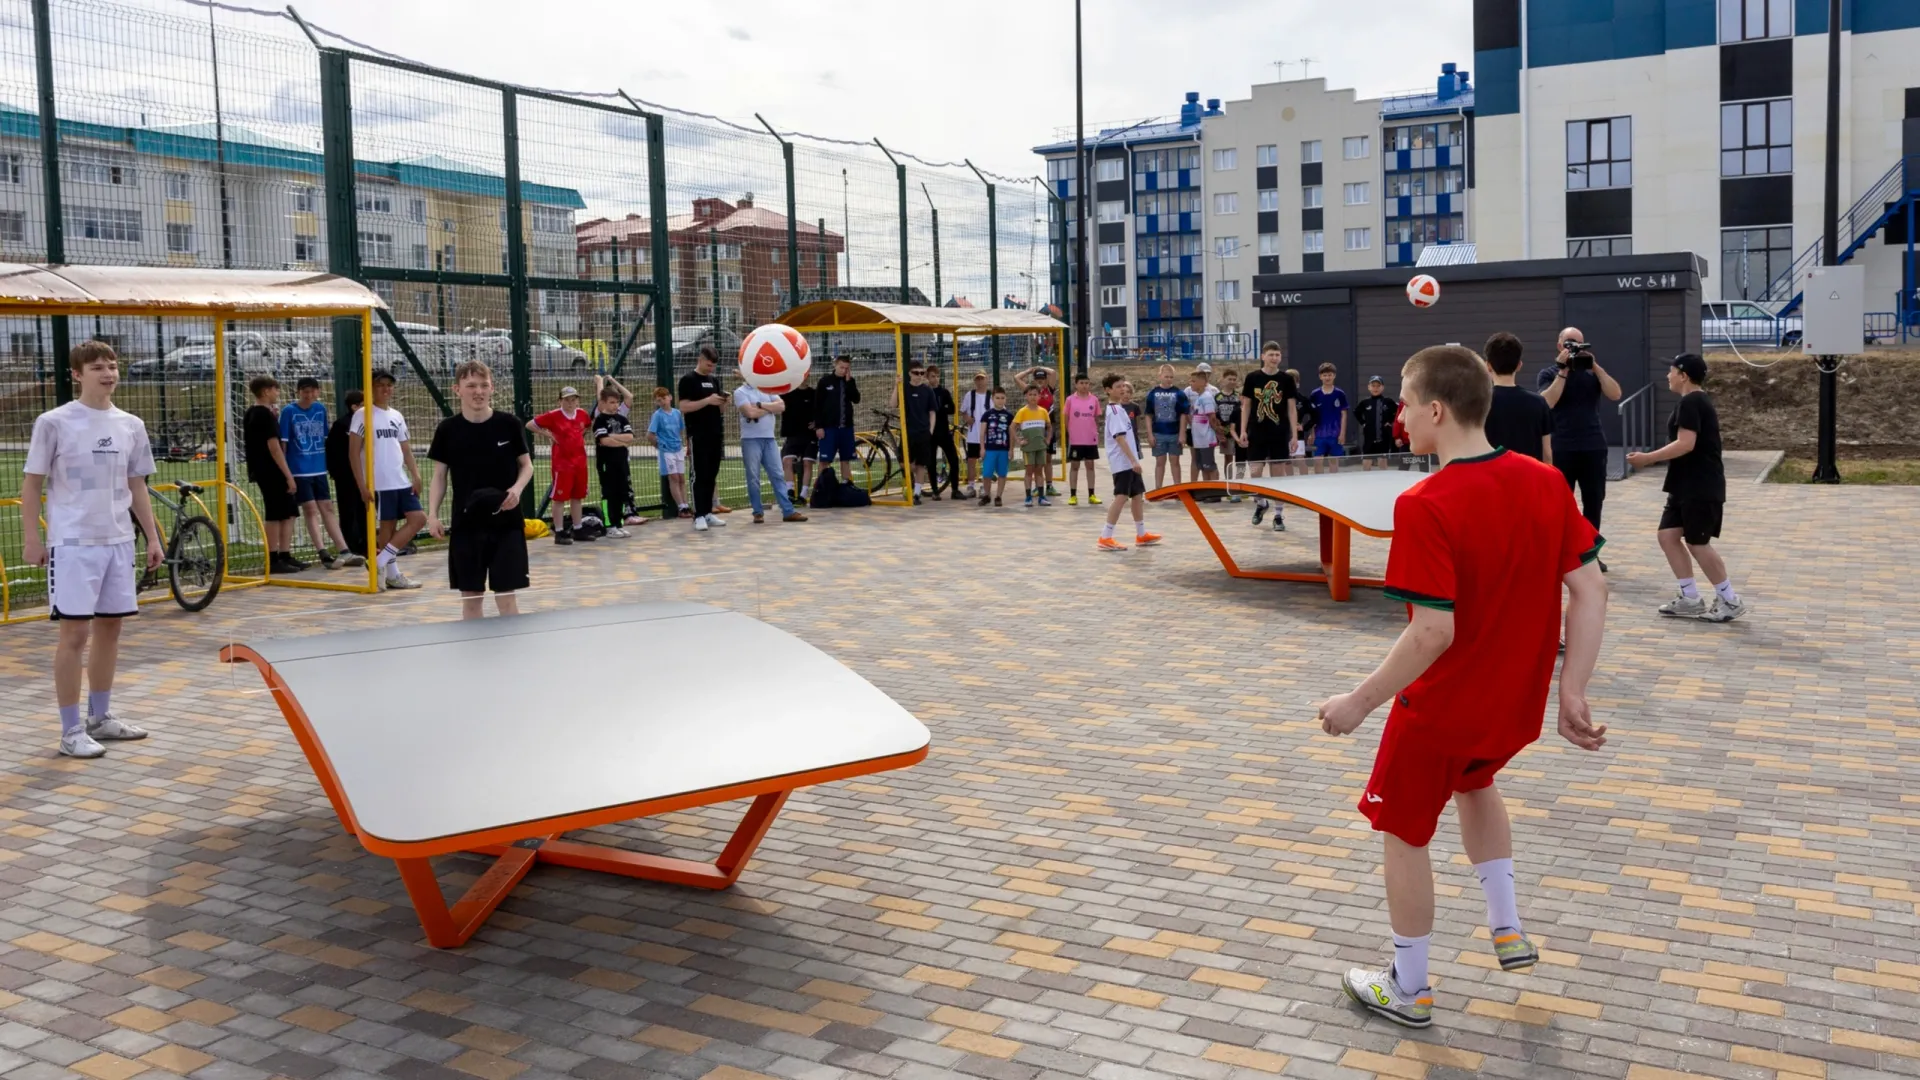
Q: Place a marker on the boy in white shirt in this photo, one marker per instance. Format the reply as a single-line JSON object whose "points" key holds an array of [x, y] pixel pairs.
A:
{"points": [[92, 461], [395, 488], [1201, 434], [974, 405], [1123, 458]]}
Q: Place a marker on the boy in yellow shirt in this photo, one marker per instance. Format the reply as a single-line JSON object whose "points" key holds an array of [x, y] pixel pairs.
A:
{"points": [[1031, 422]]}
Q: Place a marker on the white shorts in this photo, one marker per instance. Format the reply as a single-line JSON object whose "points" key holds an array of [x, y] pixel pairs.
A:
{"points": [[85, 582], [673, 462]]}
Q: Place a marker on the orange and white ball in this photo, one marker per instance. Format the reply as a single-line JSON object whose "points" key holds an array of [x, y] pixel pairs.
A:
{"points": [[1423, 291], [775, 358]]}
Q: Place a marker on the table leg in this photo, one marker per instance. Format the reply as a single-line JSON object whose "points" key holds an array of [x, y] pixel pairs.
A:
{"points": [[719, 874], [1340, 573], [449, 928], [1326, 543], [1213, 539]]}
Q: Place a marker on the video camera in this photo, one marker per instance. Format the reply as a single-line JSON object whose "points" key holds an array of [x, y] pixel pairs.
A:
{"points": [[1579, 356]]}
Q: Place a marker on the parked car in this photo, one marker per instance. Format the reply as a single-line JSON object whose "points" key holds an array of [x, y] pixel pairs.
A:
{"points": [[1742, 322], [249, 353], [547, 353], [687, 341]]}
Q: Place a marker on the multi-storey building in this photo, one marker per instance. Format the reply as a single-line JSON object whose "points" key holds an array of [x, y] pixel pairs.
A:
{"points": [[1425, 161], [1698, 125]]}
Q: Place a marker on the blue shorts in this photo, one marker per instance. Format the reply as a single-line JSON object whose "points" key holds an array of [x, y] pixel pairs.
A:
{"points": [[1328, 446], [836, 441], [308, 489], [1166, 445], [398, 503], [993, 464]]}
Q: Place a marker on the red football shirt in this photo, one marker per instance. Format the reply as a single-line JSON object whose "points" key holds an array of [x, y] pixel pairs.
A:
{"points": [[1488, 539], [569, 433]]}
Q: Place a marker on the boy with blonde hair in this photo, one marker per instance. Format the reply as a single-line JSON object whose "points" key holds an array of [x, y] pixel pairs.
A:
{"points": [[1123, 459]]}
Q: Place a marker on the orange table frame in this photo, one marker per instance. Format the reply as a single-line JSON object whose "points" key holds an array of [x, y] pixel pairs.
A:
{"points": [[519, 846], [1336, 536]]}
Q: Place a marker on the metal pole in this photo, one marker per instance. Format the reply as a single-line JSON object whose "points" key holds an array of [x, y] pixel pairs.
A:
{"points": [[1827, 469], [993, 266], [713, 271], [1083, 168], [937, 294], [440, 291], [220, 149], [793, 221], [906, 287], [343, 215], [1066, 285], [50, 181], [517, 294], [660, 251]]}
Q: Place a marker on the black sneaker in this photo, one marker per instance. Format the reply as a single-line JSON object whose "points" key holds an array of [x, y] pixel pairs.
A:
{"points": [[986, 500], [326, 558], [562, 538], [584, 536], [996, 500]]}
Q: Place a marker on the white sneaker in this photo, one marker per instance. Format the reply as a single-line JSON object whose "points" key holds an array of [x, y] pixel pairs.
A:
{"points": [[81, 745], [700, 524], [716, 520], [618, 533], [1725, 612], [350, 559], [112, 728], [398, 580], [1683, 606]]}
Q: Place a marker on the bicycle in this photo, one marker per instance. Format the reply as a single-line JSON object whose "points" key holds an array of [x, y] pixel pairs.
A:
{"points": [[196, 560], [877, 458]]}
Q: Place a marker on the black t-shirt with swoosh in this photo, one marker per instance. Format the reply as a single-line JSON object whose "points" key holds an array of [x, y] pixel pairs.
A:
{"points": [[482, 455]]}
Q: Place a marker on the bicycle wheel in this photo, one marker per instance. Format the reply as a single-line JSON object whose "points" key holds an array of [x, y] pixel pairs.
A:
{"points": [[872, 466], [196, 563]]}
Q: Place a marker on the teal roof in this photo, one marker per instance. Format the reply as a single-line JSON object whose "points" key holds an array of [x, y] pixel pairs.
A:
{"points": [[195, 142]]}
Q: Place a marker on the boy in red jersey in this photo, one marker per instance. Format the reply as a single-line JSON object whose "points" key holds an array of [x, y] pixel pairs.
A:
{"points": [[1480, 552], [567, 427]]}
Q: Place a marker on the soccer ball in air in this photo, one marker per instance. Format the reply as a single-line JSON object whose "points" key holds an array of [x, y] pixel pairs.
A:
{"points": [[1423, 291], [775, 358]]}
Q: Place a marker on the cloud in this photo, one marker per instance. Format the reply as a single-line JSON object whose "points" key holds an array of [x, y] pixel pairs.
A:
{"points": [[739, 33]]}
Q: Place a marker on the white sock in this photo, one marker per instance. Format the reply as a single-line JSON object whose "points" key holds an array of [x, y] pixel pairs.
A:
{"points": [[1260, 503], [1725, 589], [1689, 588], [1106, 532], [1496, 880], [1139, 528], [1410, 962], [386, 557]]}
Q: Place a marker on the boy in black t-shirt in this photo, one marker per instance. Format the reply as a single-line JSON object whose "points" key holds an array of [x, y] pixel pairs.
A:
{"points": [[612, 435], [267, 468], [1269, 420], [1696, 490], [484, 454], [996, 441], [799, 445]]}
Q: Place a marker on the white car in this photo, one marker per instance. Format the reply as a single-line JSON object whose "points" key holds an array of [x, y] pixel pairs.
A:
{"points": [[547, 353], [1743, 322]]}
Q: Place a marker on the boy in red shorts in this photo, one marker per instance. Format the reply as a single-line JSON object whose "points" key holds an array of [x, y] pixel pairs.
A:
{"points": [[567, 426], [1480, 552]]}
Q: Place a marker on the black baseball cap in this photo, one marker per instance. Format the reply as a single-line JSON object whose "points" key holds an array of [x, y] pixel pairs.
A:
{"points": [[485, 500], [1692, 366]]}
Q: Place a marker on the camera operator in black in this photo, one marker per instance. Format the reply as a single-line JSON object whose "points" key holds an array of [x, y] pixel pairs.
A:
{"points": [[1573, 387]]}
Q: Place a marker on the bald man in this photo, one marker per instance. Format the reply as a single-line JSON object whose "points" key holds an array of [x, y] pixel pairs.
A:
{"points": [[1573, 390]]}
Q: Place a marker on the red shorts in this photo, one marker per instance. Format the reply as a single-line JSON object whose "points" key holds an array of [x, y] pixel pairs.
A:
{"points": [[1413, 778], [569, 479]]}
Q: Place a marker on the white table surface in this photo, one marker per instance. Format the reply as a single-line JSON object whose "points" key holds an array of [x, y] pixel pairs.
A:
{"points": [[1364, 497], [439, 729]]}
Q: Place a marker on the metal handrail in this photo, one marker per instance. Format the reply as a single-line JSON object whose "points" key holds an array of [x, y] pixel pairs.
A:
{"points": [[1636, 426], [1902, 180]]}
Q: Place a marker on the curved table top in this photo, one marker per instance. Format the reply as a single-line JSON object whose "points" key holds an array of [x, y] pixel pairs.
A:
{"points": [[440, 729], [1361, 498]]}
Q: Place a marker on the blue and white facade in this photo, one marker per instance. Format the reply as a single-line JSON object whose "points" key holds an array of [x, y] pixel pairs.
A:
{"points": [[1693, 125], [1423, 158]]}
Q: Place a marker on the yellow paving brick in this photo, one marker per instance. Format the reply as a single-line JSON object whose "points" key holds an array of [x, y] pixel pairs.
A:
{"points": [[1880, 1044], [966, 1018], [435, 1001], [729, 1072], [1127, 995], [1438, 1054], [1156, 949], [315, 1018], [1500, 1010], [958, 980], [141, 1018], [1638, 1071], [1245, 1057], [1236, 980], [1382, 1065], [489, 1040], [1747, 972], [973, 1042], [179, 1060], [836, 991], [617, 981], [205, 1013], [108, 1067], [658, 953], [895, 903], [747, 1012], [1028, 943], [1741, 1002], [1275, 926], [908, 921], [1573, 885], [1001, 907], [1875, 978], [1188, 941], [1785, 1064], [841, 1012], [707, 928], [487, 1066], [84, 953], [1703, 926], [1551, 1003], [672, 1038], [1043, 962], [1628, 941], [1699, 980], [199, 942]]}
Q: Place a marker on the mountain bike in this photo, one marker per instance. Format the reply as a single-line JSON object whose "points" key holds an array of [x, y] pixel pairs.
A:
{"points": [[877, 458], [196, 560]]}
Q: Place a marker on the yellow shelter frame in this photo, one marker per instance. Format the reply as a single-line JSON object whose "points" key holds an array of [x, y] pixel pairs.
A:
{"points": [[903, 320], [221, 296]]}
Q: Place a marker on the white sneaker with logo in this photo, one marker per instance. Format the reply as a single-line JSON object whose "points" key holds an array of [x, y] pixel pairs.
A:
{"points": [[1380, 992], [81, 745], [111, 728]]}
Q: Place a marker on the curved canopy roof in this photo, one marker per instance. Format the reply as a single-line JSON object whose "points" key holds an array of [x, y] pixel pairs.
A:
{"points": [[843, 315], [26, 286]]}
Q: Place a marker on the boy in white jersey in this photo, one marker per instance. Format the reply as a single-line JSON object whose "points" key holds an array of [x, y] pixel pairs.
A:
{"points": [[394, 488], [1123, 458], [92, 461]]}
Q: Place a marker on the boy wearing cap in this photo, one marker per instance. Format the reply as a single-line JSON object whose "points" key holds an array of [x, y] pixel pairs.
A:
{"points": [[484, 454], [1468, 677], [394, 488], [1696, 490], [567, 427], [1330, 412], [1203, 406], [1374, 415]]}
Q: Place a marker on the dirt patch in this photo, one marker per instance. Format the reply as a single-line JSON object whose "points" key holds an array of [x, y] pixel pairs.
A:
{"points": [[1778, 407]]}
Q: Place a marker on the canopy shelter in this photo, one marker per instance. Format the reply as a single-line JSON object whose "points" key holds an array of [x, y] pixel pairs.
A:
{"points": [[222, 296], [901, 320]]}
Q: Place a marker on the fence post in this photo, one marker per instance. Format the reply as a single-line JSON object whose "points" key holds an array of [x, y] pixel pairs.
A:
{"points": [[906, 287], [935, 211], [793, 222], [993, 265], [1065, 268], [343, 214], [50, 180], [517, 296], [657, 239]]}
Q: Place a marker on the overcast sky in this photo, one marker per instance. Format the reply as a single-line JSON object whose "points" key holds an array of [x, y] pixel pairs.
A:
{"points": [[986, 80]]}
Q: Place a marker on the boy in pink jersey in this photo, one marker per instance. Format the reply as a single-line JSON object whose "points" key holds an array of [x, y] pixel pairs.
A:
{"points": [[1083, 439]]}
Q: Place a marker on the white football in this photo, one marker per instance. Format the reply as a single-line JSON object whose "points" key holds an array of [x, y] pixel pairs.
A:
{"points": [[1423, 291], [775, 358]]}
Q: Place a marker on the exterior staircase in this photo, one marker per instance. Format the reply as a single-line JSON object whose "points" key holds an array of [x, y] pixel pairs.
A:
{"points": [[1890, 196]]}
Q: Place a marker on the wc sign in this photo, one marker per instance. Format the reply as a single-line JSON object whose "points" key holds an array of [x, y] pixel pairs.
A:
{"points": [[1647, 282]]}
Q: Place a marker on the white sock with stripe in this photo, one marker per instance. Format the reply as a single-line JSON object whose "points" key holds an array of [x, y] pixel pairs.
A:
{"points": [[1410, 962], [1496, 881]]}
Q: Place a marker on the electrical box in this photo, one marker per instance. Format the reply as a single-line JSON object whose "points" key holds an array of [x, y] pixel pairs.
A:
{"points": [[1835, 307]]}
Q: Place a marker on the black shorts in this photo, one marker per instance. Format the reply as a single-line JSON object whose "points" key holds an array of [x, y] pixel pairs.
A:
{"points": [[479, 558], [276, 502], [1368, 446], [1265, 446], [973, 451], [805, 447], [1128, 483], [920, 449], [1077, 452], [1697, 519]]}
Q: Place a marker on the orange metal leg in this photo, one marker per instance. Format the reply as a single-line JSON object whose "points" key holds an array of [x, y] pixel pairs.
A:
{"points": [[447, 929], [1340, 573], [1326, 544]]}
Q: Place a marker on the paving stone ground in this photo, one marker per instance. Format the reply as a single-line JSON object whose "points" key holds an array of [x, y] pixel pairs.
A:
{"points": [[1130, 854]]}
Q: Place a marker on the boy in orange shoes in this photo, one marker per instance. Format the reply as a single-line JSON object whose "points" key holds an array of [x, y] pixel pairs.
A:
{"points": [[1480, 552], [1123, 457]]}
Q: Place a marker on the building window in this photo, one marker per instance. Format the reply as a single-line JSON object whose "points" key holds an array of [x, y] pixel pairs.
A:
{"points": [[384, 290], [417, 211], [1357, 194], [423, 303], [179, 238], [1227, 247], [1270, 198], [1061, 168], [1599, 247], [1112, 254], [13, 226], [1355, 147], [446, 258], [1756, 138], [1113, 296], [1269, 243], [554, 302], [1226, 202], [1110, 169], [179, 186], [1310, 152], [1752, 259], [1268, 154], [373, 200], [1226, 290], [1600, 153], [305, 248], [1311, 196], [1359, 239], [1313, 241], [103, 223], [1226, 160], [99, 168], [419, 256], [303, 199], [1751, 20], [376, 247], [1112, 212], [554, 219], [10, 169]]}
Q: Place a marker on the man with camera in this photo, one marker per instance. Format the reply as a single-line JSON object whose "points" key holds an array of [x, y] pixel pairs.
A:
{"points": [[1573, 387]]}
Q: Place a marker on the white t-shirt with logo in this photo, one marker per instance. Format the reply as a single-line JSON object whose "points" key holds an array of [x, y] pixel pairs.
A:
{"points": [[753, 395], [1119, 427], [87, 456], [975, 403], [389, 462], [1205, 404]]}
